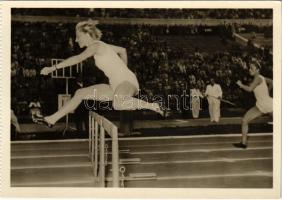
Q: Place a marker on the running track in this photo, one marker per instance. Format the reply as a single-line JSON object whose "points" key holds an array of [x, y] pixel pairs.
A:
{"points": [[207, 161]]}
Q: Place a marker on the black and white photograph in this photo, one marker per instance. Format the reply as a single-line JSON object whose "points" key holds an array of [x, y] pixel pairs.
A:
{"points": [[143, 97]]}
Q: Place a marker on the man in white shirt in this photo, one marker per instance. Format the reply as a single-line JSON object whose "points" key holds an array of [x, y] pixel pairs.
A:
{"points": [[214, 95]]}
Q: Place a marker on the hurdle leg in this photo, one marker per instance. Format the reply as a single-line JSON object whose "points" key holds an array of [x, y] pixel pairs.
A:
{"points": [[115, 158], [92, 139], [96, 148], [102, 157], [89, 134]]}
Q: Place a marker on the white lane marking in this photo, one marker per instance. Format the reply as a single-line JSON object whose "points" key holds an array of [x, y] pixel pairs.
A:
{"points": [[40, 184], [48, 149], [49, 156], [49, 141], [52, 166], [249, 174], [267, 174], [200, 150], [180, 121], [195, 136], [229, 160], [192, 143]]}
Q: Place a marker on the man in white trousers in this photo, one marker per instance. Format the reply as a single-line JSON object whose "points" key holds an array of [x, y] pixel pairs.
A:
{"points": [[214, 95]]}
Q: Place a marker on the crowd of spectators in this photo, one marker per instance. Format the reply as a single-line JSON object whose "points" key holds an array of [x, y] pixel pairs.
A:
{"points": [[150, 13], [162, 68]]}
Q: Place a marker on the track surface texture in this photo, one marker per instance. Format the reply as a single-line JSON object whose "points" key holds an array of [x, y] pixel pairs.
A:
{"points": [[207, 161]]}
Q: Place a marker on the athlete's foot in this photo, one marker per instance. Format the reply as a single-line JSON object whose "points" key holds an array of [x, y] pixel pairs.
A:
{"points": [[43, 120], [48, 122], [240, 145], [164, 112]]}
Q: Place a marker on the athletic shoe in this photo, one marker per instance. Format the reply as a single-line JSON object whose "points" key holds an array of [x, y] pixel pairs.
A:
{"points": [[163, 111], [240, 145], [41, 120]]}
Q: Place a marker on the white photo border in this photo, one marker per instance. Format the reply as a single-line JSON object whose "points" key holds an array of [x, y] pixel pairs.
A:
{"points": [[143, 192]]}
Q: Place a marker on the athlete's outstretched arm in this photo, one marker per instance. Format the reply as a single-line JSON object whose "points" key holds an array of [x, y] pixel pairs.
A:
{"points": [[257, 80], [89, 51], [120, 51]]}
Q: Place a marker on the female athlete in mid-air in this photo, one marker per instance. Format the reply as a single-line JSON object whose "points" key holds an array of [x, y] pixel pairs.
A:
{"points": [[263, 100], [112, 60]]}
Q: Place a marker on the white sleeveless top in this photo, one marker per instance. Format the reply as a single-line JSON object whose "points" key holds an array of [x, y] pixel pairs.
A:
{"points": [[264, 101], [113, 66]]}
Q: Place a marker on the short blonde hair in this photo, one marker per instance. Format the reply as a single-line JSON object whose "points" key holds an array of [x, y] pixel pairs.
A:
{"points": [[89, 27]]}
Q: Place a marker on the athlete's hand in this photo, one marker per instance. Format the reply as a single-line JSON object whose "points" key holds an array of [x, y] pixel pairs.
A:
{"points": [[47, 70], [239, 83]]}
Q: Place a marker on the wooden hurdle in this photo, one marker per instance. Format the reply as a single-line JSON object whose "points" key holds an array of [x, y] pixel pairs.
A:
{"points": [[98, 127]]}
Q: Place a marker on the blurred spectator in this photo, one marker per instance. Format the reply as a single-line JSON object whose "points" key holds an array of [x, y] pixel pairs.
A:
{"points": [[214, 94], [15, 127], [35, 109], [195, 95]]}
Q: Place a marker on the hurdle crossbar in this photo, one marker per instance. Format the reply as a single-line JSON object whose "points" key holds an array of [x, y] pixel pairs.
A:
{"points": [[98, 127]]}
